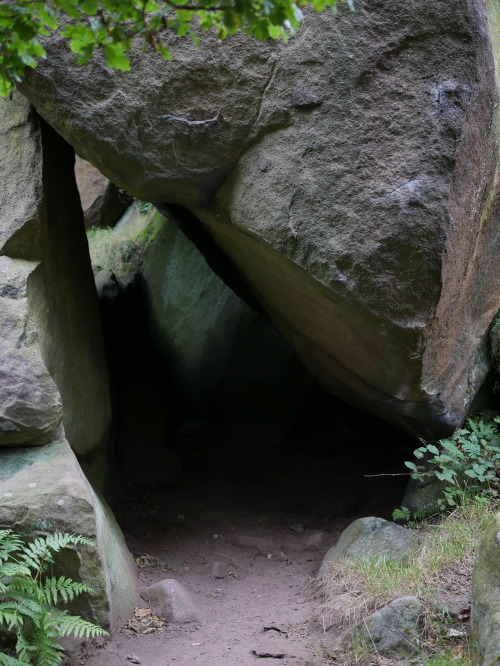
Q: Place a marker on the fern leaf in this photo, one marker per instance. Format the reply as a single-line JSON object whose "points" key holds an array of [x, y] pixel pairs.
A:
{"points": [[45, 650], [32, 562], [13, 569], [57, 541], [28, 598], [9, 543], [5, 660], [73, 624], [29, 608], [50, 590], [11, 618], [48, 657], [36, 554], [62, 587], [24, 648]]}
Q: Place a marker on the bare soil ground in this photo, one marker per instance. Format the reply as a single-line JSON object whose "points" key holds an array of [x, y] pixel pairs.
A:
{"points": [[265, 610]]}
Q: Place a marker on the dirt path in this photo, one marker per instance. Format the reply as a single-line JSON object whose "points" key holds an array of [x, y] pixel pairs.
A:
{"points": [[263, 611]]}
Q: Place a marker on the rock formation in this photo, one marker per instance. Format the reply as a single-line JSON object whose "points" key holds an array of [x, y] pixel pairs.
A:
{"points": [[351, 176], [347, 182]]}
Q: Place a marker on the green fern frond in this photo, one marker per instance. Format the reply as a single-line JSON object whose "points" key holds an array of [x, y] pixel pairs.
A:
{"points": [[31, 601], [32, 563], [55, 588], [73, 624], [11, 618], [34, 554], [8, 538], [49, 657], [47, 650], [58, 541], [39, 551], [39, 647], [25, 648], [26, 608], [28, 598], [22, 586], [11, 569], [5, 660]]}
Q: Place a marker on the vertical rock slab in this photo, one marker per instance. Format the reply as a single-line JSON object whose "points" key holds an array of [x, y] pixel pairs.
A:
{"points": [[102, 202], [43, 490], [457, 354], [52, 368], [485, 619], [350, 175], [41, 222]]}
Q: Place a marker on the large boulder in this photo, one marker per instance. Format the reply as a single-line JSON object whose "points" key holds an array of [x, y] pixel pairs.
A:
{"points": [[43, 490], [51, 351], [350, 175]]}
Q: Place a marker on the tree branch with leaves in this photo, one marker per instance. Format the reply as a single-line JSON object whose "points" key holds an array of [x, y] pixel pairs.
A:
{"points": [[111, 26]]}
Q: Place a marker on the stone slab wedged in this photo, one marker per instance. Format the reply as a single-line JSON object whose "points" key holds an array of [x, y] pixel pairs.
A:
{"points": [[102, 203], [351, 175], [43, 490]]}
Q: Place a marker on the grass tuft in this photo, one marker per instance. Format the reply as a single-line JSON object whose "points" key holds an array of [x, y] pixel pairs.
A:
{"points": [[441, 572]]}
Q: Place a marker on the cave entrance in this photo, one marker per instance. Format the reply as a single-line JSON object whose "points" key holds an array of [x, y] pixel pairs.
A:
{"points": [[207, 393], [235, 490], [233, 470]]}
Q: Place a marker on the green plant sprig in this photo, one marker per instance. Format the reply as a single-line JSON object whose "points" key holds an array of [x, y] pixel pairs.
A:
{"points": [[468, 462]]}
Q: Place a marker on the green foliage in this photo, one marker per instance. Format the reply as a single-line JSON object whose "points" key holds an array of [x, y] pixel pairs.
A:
{"points": [[412, 519], [29, 598], [111, 25], [467, 462]]}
